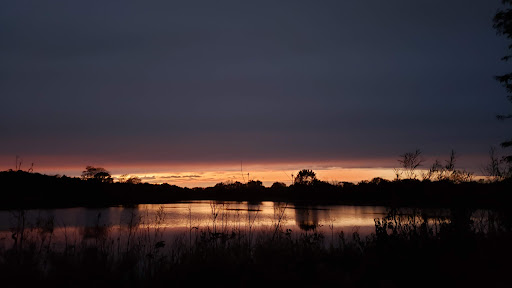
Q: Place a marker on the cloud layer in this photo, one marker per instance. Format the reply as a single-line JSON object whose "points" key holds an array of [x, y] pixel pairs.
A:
{"points": [[265, 81]]}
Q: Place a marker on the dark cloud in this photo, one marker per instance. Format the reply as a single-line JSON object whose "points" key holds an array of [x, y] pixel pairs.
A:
{"points": [[266, 80], [177, 176], [192, 176]]}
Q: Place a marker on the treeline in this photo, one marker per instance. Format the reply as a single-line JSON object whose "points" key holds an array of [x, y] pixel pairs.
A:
{"points": [[21, 189], [378, 191]]}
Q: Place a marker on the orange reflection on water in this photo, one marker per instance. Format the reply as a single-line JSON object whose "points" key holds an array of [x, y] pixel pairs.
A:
{"points": [[75, 226]]}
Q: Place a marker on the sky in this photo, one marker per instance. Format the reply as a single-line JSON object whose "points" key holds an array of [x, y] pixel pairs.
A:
{"points": [[190, 89]]}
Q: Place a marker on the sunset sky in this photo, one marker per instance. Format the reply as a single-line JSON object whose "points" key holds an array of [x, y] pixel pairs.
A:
{"points": [[184, 91]]}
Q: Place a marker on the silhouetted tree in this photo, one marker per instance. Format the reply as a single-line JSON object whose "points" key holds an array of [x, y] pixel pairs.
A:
{"points": [[104, 177], [255, 184], [305, 177], [278, 185], [503, 25], [378, 181], [130, 180], [134, 180], [409, 162], [497, 169], [97, 173], [123, 178], [447, 172]]}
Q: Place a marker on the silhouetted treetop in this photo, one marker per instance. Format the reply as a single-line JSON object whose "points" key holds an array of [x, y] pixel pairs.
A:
{"points": [[134, 180], [305, 177], [96, 173], [409, 162], [447, 172], [278, 185], [255, 184]]}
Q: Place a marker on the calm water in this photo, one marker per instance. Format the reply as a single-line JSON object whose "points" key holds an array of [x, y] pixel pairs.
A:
{"points": [[187, 219]]}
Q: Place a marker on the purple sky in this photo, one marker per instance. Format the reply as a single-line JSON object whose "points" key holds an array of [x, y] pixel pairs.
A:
{"points": [[141, 82]]}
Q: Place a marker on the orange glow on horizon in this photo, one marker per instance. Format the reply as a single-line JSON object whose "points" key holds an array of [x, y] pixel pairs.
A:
{"points": [[195, 174], [267, 176]]}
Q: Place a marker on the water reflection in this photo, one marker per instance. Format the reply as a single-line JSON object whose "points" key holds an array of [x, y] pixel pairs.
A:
{"points": [[189, 218], [178, 215], [306, 218]]}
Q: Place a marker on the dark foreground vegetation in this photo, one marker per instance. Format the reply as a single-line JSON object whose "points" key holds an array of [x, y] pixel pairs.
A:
{"points": [[407, 249], [33, 190]]}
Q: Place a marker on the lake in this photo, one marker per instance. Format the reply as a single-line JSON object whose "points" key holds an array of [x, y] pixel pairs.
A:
{"points": [[168, 222], [218, 242]]}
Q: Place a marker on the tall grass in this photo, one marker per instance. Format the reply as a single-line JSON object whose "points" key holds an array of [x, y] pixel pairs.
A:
{"points": [[407, 245]]}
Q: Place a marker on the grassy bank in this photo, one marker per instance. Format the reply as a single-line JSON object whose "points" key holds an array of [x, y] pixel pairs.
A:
{"points": [[406, 249]]}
